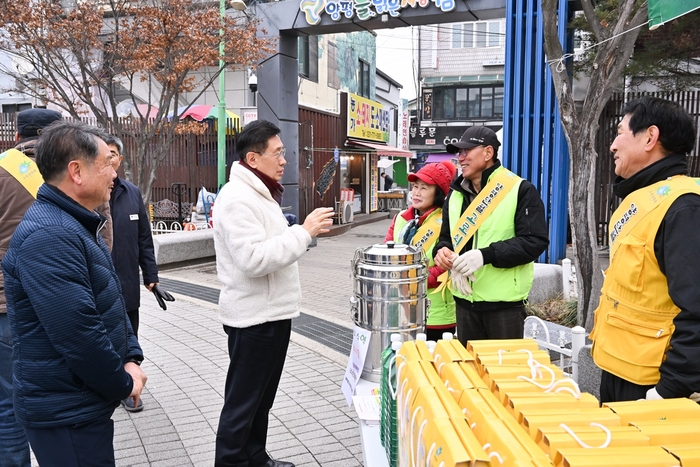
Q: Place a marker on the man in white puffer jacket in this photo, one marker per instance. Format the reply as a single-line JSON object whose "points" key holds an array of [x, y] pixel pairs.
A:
{"points": [[256, 260]]}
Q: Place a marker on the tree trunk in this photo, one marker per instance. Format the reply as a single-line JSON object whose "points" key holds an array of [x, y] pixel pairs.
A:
{"points": [[580, 131], [584, 229]]}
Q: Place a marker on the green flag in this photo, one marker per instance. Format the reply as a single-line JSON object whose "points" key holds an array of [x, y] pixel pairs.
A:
{"points": [[662, 11]]}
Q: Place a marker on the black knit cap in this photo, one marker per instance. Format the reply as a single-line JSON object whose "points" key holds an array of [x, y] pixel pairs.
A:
{"points": [[30, 122]]}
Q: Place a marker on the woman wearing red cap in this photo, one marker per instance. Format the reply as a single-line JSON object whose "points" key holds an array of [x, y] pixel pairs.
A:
{"points": [[419, 225]]}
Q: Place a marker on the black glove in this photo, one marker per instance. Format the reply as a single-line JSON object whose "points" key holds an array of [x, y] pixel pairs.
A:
{"points": [[162, 296]]}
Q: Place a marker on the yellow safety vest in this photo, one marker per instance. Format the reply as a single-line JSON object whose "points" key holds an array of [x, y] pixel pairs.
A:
{"points": [[634, 320], [23, 169], [442, 306]]}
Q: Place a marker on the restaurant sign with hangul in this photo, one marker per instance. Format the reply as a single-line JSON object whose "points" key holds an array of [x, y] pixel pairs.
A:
{"points": [[364, 9], [434, 137]]}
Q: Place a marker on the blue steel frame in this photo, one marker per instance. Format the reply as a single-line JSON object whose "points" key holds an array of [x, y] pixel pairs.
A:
{"points": [[534, 145]]}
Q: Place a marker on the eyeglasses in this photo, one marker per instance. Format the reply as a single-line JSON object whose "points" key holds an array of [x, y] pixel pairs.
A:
{"points": [[279, 155], [464, 151]]}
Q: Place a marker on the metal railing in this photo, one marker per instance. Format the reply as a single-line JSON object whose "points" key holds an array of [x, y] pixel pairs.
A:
{"points": [[567, 342], [165, 227]]}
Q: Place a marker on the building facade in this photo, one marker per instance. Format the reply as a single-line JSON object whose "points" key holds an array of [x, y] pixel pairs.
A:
{"points": [[461, 73]]}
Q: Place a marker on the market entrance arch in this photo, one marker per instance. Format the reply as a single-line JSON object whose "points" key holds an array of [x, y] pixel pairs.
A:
{"points": [[533, 146]]}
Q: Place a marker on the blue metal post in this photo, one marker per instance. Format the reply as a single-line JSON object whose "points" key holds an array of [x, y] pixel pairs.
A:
{"points": [[542, 180], [506, 151], [534, 143], [528, 97], [517, 88]]}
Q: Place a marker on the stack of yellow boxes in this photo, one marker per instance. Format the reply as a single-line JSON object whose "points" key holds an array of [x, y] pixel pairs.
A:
{"points": [[502, 402]]}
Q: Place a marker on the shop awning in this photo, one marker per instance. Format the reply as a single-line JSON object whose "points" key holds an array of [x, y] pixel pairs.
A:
{"points": [[382, 149], [440, 157], [386, 163]]}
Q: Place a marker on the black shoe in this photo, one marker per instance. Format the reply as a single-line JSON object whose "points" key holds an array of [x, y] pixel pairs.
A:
{"points": [[274, 463]]}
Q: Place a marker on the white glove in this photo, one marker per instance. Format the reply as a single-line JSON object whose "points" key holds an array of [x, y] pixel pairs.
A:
{"points": [[460, 283], [653, 395], [468, 263]]}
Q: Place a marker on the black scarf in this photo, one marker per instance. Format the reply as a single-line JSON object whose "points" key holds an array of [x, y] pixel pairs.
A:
{"points": [[673, 164]]}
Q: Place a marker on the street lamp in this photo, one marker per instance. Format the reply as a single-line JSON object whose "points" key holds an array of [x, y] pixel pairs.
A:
{"points": [[221, 129]]}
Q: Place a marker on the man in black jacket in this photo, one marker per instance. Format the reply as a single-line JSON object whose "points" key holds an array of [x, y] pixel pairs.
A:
{"points": [[647, 327], [388, 181], [133, 245], [493, 228]]}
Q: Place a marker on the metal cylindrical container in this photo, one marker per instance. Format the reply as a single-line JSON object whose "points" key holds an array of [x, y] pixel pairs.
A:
{"points": [[390, 285]]}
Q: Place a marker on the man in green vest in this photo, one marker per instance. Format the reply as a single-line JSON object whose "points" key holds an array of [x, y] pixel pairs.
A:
{"points": [[492, 231], [647, 326]]}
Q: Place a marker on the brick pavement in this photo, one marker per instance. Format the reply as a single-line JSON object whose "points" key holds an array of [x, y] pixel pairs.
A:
{"points": [[186, 362]]}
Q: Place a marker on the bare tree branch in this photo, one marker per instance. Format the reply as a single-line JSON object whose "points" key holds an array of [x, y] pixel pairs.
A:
{"points": [[153, 51], [589, 13]]}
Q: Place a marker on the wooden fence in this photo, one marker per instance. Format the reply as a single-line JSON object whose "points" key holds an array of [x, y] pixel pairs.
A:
{"points": [[191, 160], [319, 134], [606, 201]]}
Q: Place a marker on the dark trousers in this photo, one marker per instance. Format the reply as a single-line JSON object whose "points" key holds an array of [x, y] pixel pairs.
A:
{"points": [[615, 389], [86, 444], [14, 449], [433, 334], [257, 357], [134, 318], [505, 323]]}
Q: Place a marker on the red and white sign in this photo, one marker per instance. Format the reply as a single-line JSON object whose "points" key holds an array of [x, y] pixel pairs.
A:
{"points": [[402, 142], [249, 115]]}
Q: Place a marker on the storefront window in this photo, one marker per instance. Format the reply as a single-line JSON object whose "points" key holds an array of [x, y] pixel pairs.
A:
{"points": [[474, 104], [467, 103], [461, 103], [487, 102], [498, 102]]}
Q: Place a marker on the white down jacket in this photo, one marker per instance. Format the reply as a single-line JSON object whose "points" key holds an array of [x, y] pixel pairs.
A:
{"points": [[256, 253]]}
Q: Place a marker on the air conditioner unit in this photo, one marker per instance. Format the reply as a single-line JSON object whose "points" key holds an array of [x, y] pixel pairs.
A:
{"points": [[347, 215]]}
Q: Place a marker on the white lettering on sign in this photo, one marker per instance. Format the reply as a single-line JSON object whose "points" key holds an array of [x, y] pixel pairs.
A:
{"points": [[364, 9]]}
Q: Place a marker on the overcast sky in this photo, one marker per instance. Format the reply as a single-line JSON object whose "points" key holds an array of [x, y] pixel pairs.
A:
{"points": [[394, 57]]}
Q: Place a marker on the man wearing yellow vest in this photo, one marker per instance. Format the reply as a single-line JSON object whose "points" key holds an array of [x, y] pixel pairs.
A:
{"points": [[16, 197], [493, 229], [647, 325]]}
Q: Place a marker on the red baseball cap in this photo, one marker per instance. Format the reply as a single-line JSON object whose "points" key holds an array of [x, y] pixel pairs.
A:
{"points": [[440, 174]]}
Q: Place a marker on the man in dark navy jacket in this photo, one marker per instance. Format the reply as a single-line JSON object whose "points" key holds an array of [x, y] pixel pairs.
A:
{"points": [[75, 355], [132, 247]]}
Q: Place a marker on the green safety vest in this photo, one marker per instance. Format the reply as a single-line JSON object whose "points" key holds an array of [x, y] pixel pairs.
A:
{"points": [[495, 284], [442, 309]]}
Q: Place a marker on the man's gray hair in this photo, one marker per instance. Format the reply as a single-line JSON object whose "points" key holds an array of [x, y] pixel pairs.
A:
{"points": [[114, 141], [64, 141]]}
